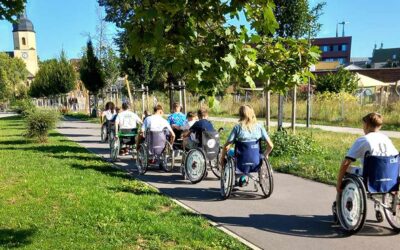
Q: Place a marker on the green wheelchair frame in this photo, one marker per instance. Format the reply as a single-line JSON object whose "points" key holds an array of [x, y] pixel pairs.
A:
{"points": [[115, 143]]}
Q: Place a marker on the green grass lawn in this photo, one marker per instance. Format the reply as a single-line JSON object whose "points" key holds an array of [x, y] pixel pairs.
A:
{"points": [[59, 196]]}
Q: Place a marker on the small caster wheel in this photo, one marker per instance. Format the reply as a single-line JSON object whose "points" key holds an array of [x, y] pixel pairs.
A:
{"points": [[379, 216]]}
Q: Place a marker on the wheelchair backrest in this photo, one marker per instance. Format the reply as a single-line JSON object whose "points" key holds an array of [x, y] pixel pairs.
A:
{"points": [[248, 156], [156, 141], [381, 173], [210, 144]]}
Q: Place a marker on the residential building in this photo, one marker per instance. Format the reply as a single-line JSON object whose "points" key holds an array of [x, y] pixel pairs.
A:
{"points": [[334, 49], [385, 58]]}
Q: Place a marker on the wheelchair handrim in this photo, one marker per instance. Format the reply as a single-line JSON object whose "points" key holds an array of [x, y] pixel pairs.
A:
{"points": [[114, 149], [227, 177], [266, 179], [392, 216], [142, 160], [195, 165]]}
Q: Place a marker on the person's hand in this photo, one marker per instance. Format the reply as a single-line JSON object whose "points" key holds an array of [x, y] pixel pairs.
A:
{"points": [[222, 161]]}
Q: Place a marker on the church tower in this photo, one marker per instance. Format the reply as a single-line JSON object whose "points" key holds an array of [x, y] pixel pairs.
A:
{"points": [[25, 43]]}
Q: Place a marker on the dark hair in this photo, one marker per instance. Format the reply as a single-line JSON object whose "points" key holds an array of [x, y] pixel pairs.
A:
{"points": [[201, 113], [176, 105], [125, 106], [190, 114], [110, 106], [158, 107], [374, 120]]}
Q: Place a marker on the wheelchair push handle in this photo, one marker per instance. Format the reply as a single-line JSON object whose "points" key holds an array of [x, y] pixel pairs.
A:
{"points": [[220, 130]]}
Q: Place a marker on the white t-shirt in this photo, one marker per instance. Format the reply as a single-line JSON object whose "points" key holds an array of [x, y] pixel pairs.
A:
{"points": [[155, 123], [127, 120], [109, 114], [375, 143]]}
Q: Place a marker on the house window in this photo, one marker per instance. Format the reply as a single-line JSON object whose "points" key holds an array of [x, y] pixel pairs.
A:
{"points": [[335, 48], [342, 60], [344, 47], [23, 41]]}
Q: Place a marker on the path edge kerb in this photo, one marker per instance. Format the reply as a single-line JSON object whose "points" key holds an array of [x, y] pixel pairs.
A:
{"points": [[184, 206]]}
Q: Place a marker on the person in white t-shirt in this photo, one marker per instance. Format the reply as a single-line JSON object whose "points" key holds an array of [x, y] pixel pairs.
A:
{"points": [[156, 122], [109, 113], [373, 142], [126, 121]]}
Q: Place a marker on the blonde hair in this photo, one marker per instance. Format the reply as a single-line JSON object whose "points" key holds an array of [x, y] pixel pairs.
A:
{"points": [[247, 117]]}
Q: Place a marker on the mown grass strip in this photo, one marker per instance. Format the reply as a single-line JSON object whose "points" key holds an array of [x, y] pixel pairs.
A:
{"points": [[59, 196]]}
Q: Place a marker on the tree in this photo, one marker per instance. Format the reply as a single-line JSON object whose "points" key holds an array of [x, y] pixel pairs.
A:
{"points": [[10, 9], [91, 72], [13, 77], [193, 43], [55, 77], [340, 81]]}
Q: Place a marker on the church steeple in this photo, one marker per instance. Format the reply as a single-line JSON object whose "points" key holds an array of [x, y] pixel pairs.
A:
{"points": [[23, 23]]}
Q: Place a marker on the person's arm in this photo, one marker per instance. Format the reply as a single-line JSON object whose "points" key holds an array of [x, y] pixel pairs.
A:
{"points": [[342, 171], [231, 138], [267, 139], [172, 137]]}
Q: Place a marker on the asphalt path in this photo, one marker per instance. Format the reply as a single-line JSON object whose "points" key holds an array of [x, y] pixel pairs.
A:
{"points": [[296, 216]]}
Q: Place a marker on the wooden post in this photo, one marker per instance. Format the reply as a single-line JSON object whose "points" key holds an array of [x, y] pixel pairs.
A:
{"points": [[143, 96], [294, 102], [129, 89], [268, 108], [180, 93], [280, 112], [184, 97], [171, 95], [147, 98]]}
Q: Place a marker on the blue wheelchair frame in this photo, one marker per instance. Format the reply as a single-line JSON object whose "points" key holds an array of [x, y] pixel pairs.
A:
{"points": [[248, 159], [379, 182]]}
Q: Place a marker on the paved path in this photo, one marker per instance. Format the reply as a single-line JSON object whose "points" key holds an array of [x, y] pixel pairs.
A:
{"points": [[7, 114], [358, 131], [296, 216]]}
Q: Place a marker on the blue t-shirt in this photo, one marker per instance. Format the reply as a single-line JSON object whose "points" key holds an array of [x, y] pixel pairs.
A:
{"points": [[177, 118], [240, 134]]}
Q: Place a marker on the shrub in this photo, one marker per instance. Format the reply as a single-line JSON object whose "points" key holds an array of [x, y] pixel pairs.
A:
{"points": [[23, 106], [40, 122], [286, 144]]}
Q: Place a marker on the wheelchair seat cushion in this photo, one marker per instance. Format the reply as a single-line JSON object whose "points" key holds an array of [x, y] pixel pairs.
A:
{"points": [[248, 156], [156, 141], [210, 144], [381, 173]]}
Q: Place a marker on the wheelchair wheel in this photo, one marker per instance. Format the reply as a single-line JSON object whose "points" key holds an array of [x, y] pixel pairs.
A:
{"points": [[227, 179], [195, 165], [111, 137], [351, 204], [114, 149], [266, 178], [103, 133], [168, 159], [392, 210], [214, 165], [142, 160]]}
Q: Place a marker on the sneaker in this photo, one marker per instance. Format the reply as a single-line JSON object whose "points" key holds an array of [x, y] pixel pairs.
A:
{"points": [[242, 181]]}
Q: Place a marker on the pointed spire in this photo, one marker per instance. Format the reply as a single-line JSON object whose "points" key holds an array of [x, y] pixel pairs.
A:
{"points": [[24, 15]]}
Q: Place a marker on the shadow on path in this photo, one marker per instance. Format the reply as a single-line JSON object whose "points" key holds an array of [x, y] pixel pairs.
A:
{"points": [[316, 226], [15, 238]]}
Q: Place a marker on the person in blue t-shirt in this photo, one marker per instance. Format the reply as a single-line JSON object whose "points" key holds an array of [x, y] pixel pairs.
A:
{"points": [[248, 129], [203, 124], [176, 119]]}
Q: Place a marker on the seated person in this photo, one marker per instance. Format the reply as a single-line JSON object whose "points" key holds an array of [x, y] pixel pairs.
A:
{"points": [[203, 124], [126, 122], [156, 122], [177, 119], [109, 114], [373, 142], [247, 130], [191, 119]]}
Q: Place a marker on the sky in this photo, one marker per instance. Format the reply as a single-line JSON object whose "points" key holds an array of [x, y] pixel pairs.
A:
{"points": [[64, 24]]}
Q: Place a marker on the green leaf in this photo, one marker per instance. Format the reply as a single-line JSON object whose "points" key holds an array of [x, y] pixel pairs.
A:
{"points": [[231, 60]]}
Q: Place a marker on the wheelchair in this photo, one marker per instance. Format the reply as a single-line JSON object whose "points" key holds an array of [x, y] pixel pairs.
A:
{"points": [[156, 150], [196, 162], [105, 131], [126, 137], [379, 182], [245, 160]]}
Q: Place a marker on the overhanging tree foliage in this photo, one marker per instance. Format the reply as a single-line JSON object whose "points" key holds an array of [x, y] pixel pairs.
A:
{"points": [[9, 9]]}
